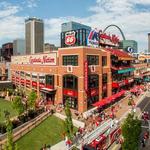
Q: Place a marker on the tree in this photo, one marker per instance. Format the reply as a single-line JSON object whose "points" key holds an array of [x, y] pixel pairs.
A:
{"points": [[18, 105], [131, 130], [9, 144], [32, 99], [68, 121]]}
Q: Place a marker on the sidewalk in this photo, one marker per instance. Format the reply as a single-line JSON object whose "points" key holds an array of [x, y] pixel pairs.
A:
{"points": [[59, 146]]}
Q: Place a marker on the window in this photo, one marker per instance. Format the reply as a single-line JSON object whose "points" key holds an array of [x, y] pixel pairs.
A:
{"points": [[49, 79], [42, 79], [104, 78], [70, 82], [93, 59], [92, 100], [34, 78], [70, 60], [104, 61], [93, 81]]}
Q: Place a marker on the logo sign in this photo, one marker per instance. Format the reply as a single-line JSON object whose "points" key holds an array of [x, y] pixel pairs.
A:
{"points": [[109, 39], [93, 38], [130, 49], [70, 38]]}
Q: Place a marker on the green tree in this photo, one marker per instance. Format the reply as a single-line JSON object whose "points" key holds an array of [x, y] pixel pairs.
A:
{"points": [[9, 144], [32, 99], [18, 105], [68, 121], [131, 130]]}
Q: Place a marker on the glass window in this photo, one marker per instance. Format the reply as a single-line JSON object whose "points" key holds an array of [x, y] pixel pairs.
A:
{"points": [[93, 60], [93, 81], [104, 60], [34, 78], [49, 79], [70, 82], [42, 79], [70, 60]]}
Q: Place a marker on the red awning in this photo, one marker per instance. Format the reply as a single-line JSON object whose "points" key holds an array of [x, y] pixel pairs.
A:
{"points": [[119, 53], [100, 103], [110, 99]]}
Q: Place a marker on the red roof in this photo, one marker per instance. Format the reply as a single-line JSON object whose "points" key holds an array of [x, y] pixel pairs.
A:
{"points": [[119, 53]]}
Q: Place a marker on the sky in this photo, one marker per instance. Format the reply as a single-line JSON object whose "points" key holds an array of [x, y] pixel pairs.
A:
{"points": [[132, 16]]}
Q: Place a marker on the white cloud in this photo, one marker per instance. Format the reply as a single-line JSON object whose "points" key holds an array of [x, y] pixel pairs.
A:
{"points": [[133, 21], [31, 3]]}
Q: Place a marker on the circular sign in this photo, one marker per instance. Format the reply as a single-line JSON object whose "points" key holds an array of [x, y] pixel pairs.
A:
{"points": [[130, 49]]}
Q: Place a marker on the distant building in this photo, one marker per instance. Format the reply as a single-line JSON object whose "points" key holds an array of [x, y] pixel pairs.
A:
{"points": [[7, 51], [19, 47], [68, 26], [74, 34], [49, 47], [148, 42], [34, 35], [129, 46]]}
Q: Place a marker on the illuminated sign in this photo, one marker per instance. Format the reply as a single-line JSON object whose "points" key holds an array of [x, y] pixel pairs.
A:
{"points": [[93, 38], [70, 38], [38, 59]]}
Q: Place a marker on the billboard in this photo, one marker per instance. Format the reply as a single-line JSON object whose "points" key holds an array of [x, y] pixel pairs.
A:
{"points": [[37, 59]]}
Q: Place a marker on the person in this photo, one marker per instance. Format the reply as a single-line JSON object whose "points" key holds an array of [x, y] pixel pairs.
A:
{"points": [[143, 142]]}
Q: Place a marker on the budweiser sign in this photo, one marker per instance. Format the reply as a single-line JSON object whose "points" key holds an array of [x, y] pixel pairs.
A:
{"points": [[45, 59], [86, 76]]}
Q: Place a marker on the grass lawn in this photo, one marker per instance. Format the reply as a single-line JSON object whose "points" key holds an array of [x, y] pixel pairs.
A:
{"points": [[6, 105], [48, 132]]}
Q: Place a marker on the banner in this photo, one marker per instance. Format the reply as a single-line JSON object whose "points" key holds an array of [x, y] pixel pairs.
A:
{"points": [[86, 76]]}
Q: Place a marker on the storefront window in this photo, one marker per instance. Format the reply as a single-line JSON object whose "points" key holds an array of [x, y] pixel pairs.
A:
{"points": [[93, 81], [34, 78], [93, 59], [104, 60], [70, 60], [70, 82], [71, 100], [42, 79], [49, 79]]}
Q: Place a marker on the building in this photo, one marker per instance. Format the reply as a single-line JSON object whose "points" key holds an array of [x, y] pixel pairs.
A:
{"points": [[71, 73], [148, 42], [7, 51], [49, 47], [3, 71], [129, 46], [34, 35], [19, 47], [68, 26], [74, 34]]}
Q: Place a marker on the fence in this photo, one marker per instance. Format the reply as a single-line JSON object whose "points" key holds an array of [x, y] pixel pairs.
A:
{"points": [[25, 128]]}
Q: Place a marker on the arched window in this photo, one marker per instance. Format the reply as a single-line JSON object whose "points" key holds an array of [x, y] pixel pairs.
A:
{"points": [[70, 82]]}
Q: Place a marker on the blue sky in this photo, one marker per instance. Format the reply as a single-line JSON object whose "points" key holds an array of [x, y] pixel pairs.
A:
{"points": [[131, 16]]}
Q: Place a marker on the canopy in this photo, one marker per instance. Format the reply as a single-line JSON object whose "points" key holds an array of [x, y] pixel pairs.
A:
{"points": [[110, 99], [121, 54]]}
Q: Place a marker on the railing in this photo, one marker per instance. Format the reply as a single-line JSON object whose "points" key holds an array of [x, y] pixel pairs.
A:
{"points": [[25, 128]]}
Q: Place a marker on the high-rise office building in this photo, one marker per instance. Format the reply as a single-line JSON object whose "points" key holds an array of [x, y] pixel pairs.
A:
{"points": [[68, 26], [19, 47], [148, 42], [34, 35]]}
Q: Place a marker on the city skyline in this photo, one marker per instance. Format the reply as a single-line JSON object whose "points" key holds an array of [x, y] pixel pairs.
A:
{"points": [[130, 16]]}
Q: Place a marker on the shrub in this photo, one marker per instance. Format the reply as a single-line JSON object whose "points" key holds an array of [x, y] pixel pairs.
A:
{"points": [[2, 128]]}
